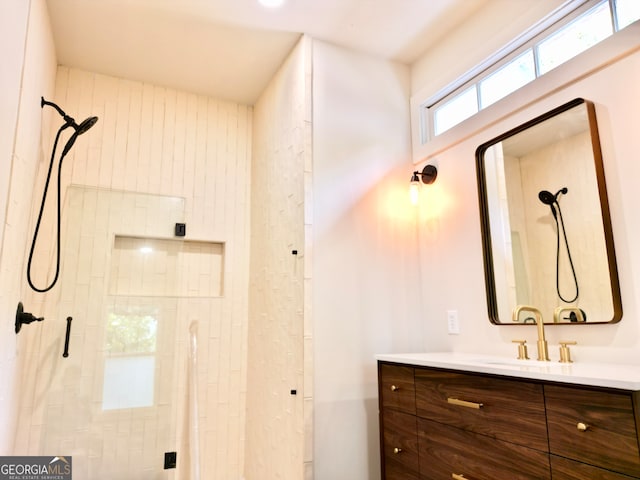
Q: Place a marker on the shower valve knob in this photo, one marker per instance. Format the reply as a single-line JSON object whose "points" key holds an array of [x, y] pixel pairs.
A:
{"points": [[24, 318]]}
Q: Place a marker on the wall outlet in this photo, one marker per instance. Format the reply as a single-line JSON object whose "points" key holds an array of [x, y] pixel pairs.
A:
{"points": [[453, 326]]}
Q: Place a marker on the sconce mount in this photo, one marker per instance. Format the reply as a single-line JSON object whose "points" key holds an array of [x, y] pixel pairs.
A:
{"points": [[427, 175]]}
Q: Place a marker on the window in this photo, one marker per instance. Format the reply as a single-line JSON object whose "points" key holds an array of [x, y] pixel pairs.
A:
{"points": [[575, 38], [627, 12], [455, 110], [507, 79], [130, 363], [588, 23]]}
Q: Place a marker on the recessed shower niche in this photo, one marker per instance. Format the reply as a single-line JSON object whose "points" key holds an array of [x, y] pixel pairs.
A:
{"points": [[166, 267]]}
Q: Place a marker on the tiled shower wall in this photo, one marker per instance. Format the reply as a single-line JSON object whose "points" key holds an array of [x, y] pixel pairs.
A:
{"points": [[279, 388], [158, 141], [28, 72]]}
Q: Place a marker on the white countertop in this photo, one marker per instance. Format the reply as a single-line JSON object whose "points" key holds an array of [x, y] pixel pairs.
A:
{"points": [[625, 377]]}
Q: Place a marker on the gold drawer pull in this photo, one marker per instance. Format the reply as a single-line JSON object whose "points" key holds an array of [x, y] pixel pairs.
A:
{"points": [[394, 388], [455, 476], [397, 450], [463, 403], [583, 427]]}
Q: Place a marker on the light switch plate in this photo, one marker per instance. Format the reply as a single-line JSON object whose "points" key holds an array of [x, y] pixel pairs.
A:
{"points": [[453, 326]]}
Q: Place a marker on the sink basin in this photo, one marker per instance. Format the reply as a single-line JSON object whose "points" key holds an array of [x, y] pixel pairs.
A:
{"points": [[515, 362]]}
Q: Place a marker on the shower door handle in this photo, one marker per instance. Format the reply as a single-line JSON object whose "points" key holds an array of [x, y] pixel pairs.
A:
{"points": [[66, 338]]}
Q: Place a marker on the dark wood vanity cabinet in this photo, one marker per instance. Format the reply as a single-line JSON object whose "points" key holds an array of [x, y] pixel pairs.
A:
{"points": [[595, 427], [399, 427], [440, 424]]}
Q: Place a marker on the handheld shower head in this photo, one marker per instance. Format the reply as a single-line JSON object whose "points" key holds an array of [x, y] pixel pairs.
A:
{"points": [[87, 124], [550, 199], [79, 130], [547, 197]]}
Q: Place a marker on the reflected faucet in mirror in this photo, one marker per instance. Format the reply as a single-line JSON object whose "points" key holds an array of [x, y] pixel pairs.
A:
{"points": [[543, 348]]}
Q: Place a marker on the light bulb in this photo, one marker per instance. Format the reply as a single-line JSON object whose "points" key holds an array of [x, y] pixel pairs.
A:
{"points": [[414, 191]]}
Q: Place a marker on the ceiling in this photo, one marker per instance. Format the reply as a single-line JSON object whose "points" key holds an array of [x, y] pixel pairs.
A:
{"points": [[230, 49]]}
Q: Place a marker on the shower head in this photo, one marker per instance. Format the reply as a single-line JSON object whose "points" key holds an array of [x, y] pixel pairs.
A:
{"points": [[86, 125], [550, 199], [70, 122], [79, 130], [547, 197]]}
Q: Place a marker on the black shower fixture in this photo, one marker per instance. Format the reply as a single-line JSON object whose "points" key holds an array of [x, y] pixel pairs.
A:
{"points": [[550, 199], [69, 122], [78, 130], [24, 318]]}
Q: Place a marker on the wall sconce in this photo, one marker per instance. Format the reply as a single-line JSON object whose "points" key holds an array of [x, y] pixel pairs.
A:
{"points": [[427, 175]]}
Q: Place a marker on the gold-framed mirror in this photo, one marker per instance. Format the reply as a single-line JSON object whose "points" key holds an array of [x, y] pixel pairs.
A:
{"points": [[546, 226]]}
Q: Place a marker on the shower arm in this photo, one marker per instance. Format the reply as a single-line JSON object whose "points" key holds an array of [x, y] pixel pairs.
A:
{"points": [[69, 120]]}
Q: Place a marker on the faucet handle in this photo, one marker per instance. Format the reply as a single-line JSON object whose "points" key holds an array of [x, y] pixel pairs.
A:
{"points": [[565, 353], [522, 349]]}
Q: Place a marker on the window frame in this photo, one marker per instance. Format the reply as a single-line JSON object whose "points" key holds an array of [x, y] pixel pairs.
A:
{"points": [[561, 18]]}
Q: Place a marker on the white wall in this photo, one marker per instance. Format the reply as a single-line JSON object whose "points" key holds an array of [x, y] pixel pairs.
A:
{"points": [[608, 75], [365, 280], [28, 72]]}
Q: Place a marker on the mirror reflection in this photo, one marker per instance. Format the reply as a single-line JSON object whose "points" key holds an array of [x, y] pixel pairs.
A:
{"points": [[545, 218]]}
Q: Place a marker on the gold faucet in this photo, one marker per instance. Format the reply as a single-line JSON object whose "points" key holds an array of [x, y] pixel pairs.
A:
{"points": [[543, 349], [560, 310]]}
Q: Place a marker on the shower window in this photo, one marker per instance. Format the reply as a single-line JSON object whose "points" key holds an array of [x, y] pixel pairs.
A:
{"points": [[130, 359]]}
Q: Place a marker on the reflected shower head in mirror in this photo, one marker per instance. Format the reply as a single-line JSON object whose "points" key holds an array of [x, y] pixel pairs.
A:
{"points": [[550, 199], [547, 197]]}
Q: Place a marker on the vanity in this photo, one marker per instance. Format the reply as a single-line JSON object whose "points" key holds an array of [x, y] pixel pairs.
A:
{"points": [[474, 417]]}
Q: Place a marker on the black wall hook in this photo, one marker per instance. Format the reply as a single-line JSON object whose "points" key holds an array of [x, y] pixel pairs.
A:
{"points": [[23, 317]]}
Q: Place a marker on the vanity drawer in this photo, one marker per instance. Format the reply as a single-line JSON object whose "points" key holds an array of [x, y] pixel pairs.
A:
{"points": [[400, 443], [397, 389], [509, 410], [445, 451], [565, 469], [594, 427]]}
